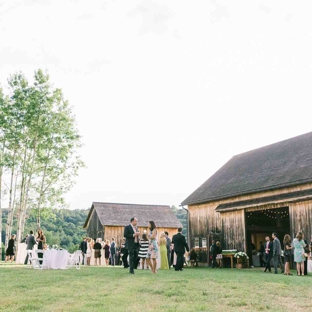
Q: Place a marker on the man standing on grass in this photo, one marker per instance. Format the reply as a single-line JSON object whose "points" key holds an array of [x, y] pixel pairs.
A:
{"points": [[180, 245], [268, 253], [277, 250], [31, 242], [131, 233], [83, 248], [113, 251]]}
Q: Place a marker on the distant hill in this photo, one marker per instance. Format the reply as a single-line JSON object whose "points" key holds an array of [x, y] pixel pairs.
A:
{"points": [[62, 227]]}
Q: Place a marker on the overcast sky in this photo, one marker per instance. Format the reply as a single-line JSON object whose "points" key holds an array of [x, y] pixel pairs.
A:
{"points": [[165, 92]]}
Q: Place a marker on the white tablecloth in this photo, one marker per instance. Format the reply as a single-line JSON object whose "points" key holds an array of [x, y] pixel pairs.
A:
{"points": [[21, 253], [56, 259], [309, 265]]}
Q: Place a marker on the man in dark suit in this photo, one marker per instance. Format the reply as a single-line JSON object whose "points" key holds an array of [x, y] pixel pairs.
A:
{"points": [[113, 251], [83, 248], [268, 248], [131, 233], [277, 250], [31, 242], [180, 245]]}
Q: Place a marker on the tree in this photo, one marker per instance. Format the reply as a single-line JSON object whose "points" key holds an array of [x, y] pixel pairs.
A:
{"points": [[38, 148]]}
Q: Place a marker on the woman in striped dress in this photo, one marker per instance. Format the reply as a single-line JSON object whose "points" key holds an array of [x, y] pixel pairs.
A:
{"points": [[144, 243]]}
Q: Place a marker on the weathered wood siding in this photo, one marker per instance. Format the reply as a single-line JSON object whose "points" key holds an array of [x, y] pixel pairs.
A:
{"points": [[203, 218], [95, 228], [233, 230], [300, 214]]}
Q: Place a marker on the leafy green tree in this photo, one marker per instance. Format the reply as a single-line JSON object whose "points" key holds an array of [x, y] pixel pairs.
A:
{"points": [[38, 149]]}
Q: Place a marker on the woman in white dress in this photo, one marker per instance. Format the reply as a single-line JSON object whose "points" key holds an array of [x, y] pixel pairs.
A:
{"points": [[89, 250]]}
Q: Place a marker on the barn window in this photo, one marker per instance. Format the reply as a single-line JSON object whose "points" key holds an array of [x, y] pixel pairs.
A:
{"points": [[204, 242], [196, 242]]}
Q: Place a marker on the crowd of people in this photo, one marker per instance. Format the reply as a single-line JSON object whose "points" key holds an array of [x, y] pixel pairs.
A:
{"points": [[298, 247], [137, 249], [145, 250], [111, 251], [31, 241]]}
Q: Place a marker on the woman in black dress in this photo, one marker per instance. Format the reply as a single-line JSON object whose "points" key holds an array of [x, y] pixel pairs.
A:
{"points": [[287, 254], [10, 250], [41, 239], [106, 251]]}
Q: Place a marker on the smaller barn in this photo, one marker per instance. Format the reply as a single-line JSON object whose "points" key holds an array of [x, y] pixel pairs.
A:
{"points": [[107, 220]]}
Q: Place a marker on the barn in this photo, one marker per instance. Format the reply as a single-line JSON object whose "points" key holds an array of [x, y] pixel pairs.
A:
{"points": [[107, 220], [255, 193]]}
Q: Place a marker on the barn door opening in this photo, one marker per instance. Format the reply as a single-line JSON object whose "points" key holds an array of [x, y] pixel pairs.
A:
{"points": [[262, 223]]}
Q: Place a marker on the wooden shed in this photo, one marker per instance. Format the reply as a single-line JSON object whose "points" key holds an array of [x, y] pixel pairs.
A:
{"points": [[255, 193], [107, 220]]}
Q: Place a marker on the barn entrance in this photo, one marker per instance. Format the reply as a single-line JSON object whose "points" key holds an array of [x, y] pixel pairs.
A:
{"points": [[261, 223]]}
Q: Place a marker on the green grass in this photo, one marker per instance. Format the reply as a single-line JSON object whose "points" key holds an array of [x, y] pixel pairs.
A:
{"points": [[114, 289]]}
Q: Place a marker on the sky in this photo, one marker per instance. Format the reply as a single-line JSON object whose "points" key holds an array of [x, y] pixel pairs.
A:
{"points": [[165, 92]]}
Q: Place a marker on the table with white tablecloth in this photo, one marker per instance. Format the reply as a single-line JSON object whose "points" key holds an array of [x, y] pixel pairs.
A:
{"points": [[21, 253], [56, 259]]}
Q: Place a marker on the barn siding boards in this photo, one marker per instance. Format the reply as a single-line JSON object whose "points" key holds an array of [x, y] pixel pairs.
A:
{"points": [[233, 230], [301, 218], [107, 220]]}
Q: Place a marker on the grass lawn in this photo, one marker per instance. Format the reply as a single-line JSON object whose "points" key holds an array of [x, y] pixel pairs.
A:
{"points": [[114, 289]]}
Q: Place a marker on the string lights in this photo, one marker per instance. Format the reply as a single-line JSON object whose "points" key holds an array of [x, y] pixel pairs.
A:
{"points": [[273, 214]]}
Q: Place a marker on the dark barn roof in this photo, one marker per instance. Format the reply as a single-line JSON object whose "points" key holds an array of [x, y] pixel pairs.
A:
{"points": [[283, 164], [114, 214]]}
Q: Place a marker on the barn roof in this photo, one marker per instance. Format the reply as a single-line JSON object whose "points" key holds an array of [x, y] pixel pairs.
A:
{"points": [[115, 214], [283, 164]]}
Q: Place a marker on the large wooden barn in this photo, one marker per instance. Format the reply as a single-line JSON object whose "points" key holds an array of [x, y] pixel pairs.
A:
{"points": [[253, 194], [107, 220]]}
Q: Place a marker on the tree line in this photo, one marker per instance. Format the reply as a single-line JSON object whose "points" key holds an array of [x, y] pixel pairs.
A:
{"points": [[64, 227], [38, 150]]}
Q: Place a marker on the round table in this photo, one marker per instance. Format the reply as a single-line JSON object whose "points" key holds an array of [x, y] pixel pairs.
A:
{"points": [[56, 259]]}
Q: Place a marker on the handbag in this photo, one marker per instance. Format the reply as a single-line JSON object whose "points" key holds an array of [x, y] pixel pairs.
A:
{"points": [[219, 256]]}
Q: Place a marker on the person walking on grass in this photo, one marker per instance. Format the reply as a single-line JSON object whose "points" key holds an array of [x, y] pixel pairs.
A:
{"points": [[268, 253], [10, 252], [277, 250], [30, 242], [180, 245]]}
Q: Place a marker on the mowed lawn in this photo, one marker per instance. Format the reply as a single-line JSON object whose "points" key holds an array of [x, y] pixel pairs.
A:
{"points": [[114, 289]]}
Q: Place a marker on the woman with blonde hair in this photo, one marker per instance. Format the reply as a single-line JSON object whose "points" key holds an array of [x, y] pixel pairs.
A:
{"points": [[287, 254], [163, 252], [299, 245], [89, 250]]}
